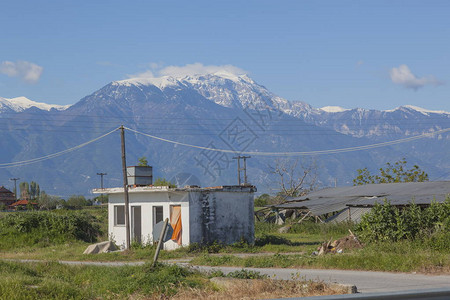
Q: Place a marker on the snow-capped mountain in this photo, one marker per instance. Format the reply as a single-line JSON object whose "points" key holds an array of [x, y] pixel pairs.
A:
{"points": [[223, 88], [220, 110], [380, 125], [19, 104], [241, 92]]}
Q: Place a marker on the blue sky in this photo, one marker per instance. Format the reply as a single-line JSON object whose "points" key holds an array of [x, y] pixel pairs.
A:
{"points": [[377, 54]]}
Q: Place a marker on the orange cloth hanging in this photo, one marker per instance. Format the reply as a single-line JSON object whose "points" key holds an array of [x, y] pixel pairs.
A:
{"points": [[175, 222]]}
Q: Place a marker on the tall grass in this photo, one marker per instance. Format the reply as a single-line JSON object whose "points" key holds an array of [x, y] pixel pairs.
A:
{"points": [[405, 256], [323, 229], [56, 281], [44, 228]]}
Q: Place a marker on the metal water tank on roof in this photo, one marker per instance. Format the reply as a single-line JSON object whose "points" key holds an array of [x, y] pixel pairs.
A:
{"points": [[140, 176]]}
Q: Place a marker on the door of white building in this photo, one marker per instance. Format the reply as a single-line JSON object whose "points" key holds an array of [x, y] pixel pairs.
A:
{"points": [[136, 224]]}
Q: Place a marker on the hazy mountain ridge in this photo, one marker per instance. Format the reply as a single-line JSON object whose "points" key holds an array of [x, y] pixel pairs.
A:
{"points": [[242, 92], [207, 110]]}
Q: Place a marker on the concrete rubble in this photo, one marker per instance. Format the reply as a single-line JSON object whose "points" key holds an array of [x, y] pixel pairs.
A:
{"points": [[338, 246], [103, 247]]}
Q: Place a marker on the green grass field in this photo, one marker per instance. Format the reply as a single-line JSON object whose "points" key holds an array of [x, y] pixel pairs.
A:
{"points": [[57, 281], [52, 280], [291, 249]]}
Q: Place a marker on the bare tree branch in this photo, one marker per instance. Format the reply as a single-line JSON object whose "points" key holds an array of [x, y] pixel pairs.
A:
{"points": [[295, 177]]}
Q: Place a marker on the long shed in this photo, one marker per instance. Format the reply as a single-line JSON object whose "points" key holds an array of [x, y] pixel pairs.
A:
{"points": [[351, 202]]}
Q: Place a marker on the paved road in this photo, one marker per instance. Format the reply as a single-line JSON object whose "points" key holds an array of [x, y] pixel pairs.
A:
{"points": [[365, 281]]}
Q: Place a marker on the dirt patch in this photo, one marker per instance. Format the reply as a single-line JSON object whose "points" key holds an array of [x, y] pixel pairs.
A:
{"points": [[230, 288], [434, 270], [347, 243], [338, 246]]}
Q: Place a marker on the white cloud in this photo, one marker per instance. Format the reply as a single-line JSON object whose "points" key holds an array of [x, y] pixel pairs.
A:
{"points": [[27, 71], [156, 66], [189, 69], [199, 69], [146, 74], [403, 76]]}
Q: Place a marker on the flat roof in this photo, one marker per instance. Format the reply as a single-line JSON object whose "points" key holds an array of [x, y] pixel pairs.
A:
{"points": [[156, 189]]}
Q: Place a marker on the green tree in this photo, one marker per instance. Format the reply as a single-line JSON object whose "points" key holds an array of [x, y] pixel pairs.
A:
{"points": [[34, 190], [397, 172], [101, 198], [143, 162], [47, 201], [24, 189], [163, 182], [77, 201], [262, 200]]}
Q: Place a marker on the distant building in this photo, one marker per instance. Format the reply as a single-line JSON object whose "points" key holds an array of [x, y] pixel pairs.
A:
{"points": [[6, 196], [22, 204], [197, 215]]}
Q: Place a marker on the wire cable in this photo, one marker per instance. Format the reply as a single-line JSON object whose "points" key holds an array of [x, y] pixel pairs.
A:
{"points": [[305, 153], [42, 158]]}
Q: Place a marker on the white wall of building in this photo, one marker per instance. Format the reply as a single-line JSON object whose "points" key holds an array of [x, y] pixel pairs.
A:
{"points": [[147, 200], [206, 215]]}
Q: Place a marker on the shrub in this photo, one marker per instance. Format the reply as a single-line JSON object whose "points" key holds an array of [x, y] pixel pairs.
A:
{"points": [[21, 228], [389, 223], [262, 200]]}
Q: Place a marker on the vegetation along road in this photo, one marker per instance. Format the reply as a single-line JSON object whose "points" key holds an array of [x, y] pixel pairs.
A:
{"points": [[365, 281]]}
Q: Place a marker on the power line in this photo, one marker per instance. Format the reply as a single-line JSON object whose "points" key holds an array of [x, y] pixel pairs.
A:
{"points": [[331, 151], [38, 159]]}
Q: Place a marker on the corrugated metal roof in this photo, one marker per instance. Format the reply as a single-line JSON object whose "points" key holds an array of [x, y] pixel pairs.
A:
{"points": [[355, 215], [320, 206], [336, 199]]}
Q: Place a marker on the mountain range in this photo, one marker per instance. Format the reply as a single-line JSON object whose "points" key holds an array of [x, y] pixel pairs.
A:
{"points": [[220, 110]]}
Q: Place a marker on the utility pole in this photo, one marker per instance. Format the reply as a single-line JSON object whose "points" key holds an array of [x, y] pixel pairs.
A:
{"points": [[15, 186], [101, 179], [125, 187], [245, 169], [239, 169]]}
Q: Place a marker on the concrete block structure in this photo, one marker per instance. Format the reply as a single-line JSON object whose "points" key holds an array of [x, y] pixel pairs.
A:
{"points": [[222, 214]]}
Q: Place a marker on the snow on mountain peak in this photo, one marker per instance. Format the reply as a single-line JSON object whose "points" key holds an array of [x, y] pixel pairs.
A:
{"points": [[333, 109], [170, 80], [160, 82], [22, 103], [418, 109]]}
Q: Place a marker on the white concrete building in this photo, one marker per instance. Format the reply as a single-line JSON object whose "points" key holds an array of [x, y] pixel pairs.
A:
{"points": [[203, 215]]}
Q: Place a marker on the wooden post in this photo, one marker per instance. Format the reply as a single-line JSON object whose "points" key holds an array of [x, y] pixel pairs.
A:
{"points": [[161, 237], [304, 217], [125, 188]]}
